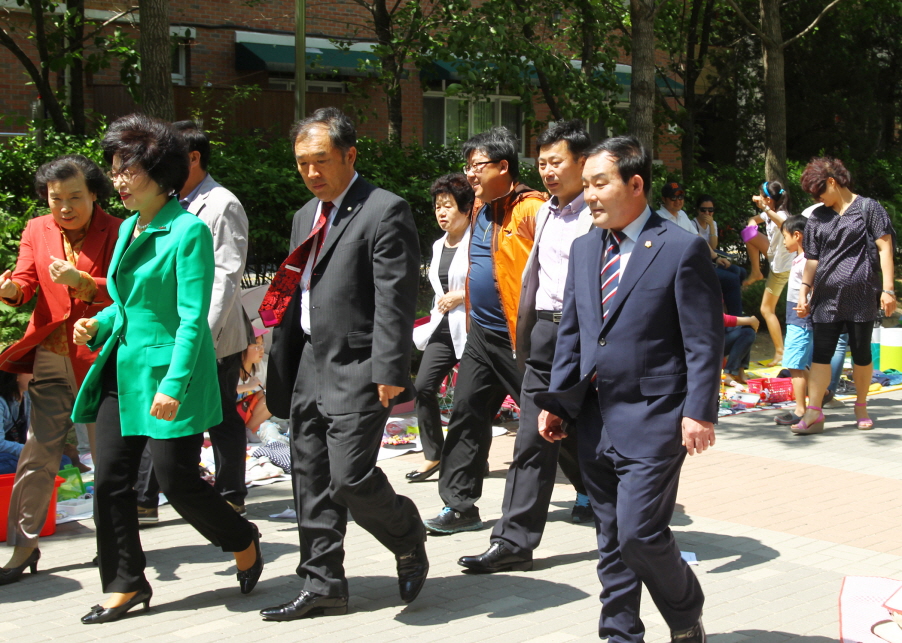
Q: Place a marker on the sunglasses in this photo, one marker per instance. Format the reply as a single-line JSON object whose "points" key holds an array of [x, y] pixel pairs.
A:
{"points": [[706, 210]]}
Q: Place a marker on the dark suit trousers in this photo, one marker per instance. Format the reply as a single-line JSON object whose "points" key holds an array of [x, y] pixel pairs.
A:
{"points": [[530, 478], [633, 500], [333, 470], [175, 461], [438, 360], [487, 374], [228, 438]]}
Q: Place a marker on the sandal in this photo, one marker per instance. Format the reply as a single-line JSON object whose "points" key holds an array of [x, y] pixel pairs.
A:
{"points": [[788, 418], [803, 428], [865, 423]]}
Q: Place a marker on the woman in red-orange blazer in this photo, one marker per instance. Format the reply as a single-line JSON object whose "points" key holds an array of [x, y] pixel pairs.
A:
{"points": [[63, 260]]}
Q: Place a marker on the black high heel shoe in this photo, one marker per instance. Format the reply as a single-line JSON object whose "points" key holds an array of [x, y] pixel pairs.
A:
{"points": [[100, 614], [13, 574], [248, 578], [419, 476]]}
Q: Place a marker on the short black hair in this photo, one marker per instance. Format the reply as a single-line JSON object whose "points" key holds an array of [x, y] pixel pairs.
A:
{"points": [[572, 131], [151, 143], [458, 187], [342, 132], [68, 166], [9, 385], [631, 158], [702, 198], [499, 144], [794, 223], [196, 139]]}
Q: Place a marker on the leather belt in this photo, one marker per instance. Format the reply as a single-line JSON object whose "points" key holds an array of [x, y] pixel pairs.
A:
{"points": [[549, 315]]}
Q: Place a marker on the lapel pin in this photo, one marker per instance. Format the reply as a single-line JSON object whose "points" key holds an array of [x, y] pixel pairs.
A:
{"points": [[648, 244]]}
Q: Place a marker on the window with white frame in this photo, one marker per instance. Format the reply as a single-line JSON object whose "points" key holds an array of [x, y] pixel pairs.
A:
{"points": [[313, 86], [447, 121], [179, 62]]}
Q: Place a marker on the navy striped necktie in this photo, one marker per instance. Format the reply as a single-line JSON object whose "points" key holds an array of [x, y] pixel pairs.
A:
{"points": [[610, 271]]}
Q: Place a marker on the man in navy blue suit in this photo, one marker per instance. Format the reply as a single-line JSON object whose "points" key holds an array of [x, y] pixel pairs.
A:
{"points": [[636, 373]]}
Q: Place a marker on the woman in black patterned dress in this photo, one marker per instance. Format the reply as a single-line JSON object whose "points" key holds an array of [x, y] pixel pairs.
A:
{"points": [[849, 277]]}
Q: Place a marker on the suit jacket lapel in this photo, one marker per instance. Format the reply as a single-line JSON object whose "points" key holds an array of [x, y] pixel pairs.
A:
{"points": [[593, 266], [351, 204], [640, 259], [161, 223], [121, 244], [206, 186]]}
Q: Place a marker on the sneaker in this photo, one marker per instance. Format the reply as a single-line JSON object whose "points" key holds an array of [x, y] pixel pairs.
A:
{"points": [[450, 521], [582, 511], [147, 515]]}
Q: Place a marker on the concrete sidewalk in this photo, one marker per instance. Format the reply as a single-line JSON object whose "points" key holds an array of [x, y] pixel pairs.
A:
{"points": [[776, 521]]}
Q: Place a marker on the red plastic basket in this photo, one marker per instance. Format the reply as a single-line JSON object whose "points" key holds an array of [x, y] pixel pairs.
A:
{"points": [[772, 389]]}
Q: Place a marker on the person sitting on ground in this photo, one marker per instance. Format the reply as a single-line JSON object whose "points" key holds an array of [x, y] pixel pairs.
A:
{"points": [[14, 409], [799, 331], [251, 393], [729, 274], [673, 195], [773, 200], [739, 336]]}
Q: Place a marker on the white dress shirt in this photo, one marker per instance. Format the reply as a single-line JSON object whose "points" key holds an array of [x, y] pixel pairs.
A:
{"points": [[681, 219], [631, 234], [308, 269]]}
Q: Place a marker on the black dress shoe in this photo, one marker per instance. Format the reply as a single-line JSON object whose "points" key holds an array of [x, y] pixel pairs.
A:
{"points": [[413, 567], [497, 558], [695, 634], [99, 614], [248, 578], [307, 604], [12, 574], [419, 476]]}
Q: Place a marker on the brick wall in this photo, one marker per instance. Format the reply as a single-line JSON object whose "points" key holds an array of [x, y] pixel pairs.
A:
{"points": [[211, 59]]}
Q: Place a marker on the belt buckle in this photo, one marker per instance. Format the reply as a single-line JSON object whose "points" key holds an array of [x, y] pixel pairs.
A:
{"points": [[556, 318]]}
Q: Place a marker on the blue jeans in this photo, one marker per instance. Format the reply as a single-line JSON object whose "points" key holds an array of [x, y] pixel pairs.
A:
{"points": [[737, 347], [731, 287]]}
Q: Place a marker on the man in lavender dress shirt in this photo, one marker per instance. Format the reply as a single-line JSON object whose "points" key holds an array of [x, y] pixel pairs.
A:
{"points": [[530, 478]]}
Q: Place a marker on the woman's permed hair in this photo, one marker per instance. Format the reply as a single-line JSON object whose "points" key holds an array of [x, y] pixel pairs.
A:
{"points": [[65, 167], [152, 144], [458, 187], [819, 169]]}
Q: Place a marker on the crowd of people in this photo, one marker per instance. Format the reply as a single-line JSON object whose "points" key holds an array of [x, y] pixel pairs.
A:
{"points": [[607, 323]]}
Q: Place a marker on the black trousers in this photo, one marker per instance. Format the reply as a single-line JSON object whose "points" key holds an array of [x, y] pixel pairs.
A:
{"points": [[530, 478], [333, 470], [229, 444], [633, 500], [487, 374], [438, 360], [826, 335], [175, 461]]}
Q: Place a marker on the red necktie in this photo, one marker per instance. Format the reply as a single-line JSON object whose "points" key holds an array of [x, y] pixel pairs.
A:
{"points": [[288, 276]]}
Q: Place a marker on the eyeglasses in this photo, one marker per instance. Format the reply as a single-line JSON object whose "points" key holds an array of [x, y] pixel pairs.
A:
{"points": [[125, 175], [476, 168], [675, 198], [711, 210]]}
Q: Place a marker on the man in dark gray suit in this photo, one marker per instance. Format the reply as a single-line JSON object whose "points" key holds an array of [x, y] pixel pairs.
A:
{"points": [[232, 331], [343, 307]]}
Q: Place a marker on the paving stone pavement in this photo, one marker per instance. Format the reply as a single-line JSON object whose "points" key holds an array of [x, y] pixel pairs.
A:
{"points": [[776, 521]]}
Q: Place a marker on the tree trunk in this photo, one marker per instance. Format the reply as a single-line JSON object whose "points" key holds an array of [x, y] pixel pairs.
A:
{"points": [[156, 59], [77, 70], [774, 93], [642, 85], [392, 69]]}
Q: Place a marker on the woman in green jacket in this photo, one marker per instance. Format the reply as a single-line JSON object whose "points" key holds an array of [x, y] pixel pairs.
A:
{"points": [[154, 381]]}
